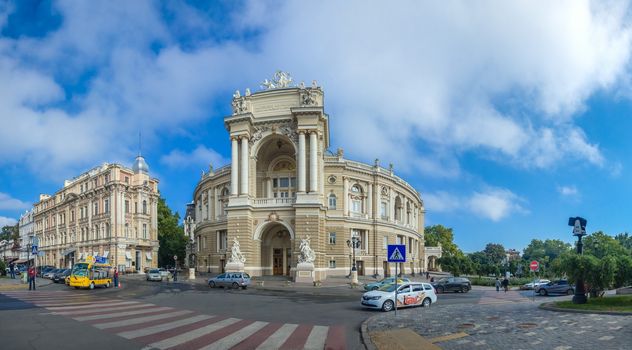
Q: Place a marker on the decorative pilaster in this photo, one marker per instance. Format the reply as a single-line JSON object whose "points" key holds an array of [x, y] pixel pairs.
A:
{"points": [[244, 165], [369, 203], [301, 161], [234, 167], [345, 196], [378, 201], [313, 161]]}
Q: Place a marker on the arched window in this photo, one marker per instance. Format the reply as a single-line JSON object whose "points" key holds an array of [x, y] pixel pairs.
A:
{"points": [[332, 201], [398, 209], [144, 207], [356, 198]]}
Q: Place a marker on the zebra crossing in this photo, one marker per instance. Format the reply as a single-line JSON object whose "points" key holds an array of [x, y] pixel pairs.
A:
{"points": [[494, 297], [159, 327]]}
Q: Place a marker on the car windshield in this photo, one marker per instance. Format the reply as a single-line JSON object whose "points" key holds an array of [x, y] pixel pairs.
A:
{"points": [[443, 280], [154, 271], [388, 288], [80, 270]]}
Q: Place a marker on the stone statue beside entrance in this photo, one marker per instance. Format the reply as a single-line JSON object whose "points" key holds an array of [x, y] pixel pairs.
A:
{"points": [[237, 259], [305, 267], [307, 253]]}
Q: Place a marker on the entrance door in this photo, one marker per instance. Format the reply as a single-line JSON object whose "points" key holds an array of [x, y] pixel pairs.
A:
{"points": [[360, 267], [137, 260], [277, 261]]}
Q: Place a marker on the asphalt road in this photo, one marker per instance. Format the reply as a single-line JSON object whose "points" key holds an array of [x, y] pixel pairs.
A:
{"points": [[27, 326]]}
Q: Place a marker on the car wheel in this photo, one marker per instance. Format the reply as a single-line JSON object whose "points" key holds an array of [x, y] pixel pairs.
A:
{"points": [[92, 285], [107, 285], [440, 290], [543, 292], [426, 302], [387, 306], [76, 287], [244, 287], [374, 288], [570, 292], [463, 289], [235, 285], [211, 284]]}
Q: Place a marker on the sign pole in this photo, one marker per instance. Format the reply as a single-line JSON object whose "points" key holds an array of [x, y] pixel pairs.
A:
{"points": [[396, 287]]}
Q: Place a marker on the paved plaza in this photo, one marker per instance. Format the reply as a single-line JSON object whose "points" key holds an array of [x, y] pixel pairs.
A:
{"points": [[508, 321]]}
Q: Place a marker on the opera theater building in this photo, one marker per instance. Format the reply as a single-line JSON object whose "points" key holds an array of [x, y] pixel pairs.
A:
{"points": [[283, 188]]}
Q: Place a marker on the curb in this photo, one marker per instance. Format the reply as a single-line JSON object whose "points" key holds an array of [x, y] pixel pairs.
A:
{"points": [[364, 334], [551, 307]]}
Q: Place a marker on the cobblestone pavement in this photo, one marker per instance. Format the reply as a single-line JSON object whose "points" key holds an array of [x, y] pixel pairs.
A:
{"points": [[515, 323]]}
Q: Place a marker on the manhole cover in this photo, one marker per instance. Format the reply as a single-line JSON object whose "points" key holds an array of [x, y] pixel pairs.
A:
{"points": [[527, 325], [466, 325]]}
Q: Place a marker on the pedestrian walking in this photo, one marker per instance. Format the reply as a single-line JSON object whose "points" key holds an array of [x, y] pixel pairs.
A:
{"points": [[427, 275], [175, 274], [497, 285], [12, 270], [31, 274], [505, 284], [116, 278]]}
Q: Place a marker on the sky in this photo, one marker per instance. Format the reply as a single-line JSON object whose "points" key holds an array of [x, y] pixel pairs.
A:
{"points": [[508, 117]]}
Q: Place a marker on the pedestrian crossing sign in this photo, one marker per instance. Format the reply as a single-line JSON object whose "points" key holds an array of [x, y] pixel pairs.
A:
{"points": [[396, 253]]}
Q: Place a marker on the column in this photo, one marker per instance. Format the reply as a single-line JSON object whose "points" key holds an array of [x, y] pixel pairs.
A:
{"points": [[269, 188], [209, 202], [313, 161], [215, 204], [301, 161], [244, 165], [369, 204], [378, 201], [391, 205], [345, 196], [234, 172]]}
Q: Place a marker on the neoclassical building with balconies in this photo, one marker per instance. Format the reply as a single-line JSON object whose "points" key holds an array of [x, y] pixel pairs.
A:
{"points": [[283, 185], [108, 211]]}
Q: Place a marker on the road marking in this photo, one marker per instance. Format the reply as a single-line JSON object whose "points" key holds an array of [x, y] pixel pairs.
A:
{"points": [[134, 321], [279, 337], [92, 305], [448, 337], [104, 316], [237, 337], [163, 327], [316, 339], [183, 338], [98, 309]]}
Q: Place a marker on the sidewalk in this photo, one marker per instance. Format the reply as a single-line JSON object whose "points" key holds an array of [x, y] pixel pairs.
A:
{"points": [[7, 284]]}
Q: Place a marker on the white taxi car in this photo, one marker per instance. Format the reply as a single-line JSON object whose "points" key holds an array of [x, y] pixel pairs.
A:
{"points": [[408, 294]]}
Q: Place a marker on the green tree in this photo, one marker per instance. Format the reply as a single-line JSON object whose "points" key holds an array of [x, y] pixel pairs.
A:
{"points": [[601, 245], [625, 240], [439, 234], [495, 253], [597, 274], [10, 233], [457, 264], [170, 235], [624, 271]]}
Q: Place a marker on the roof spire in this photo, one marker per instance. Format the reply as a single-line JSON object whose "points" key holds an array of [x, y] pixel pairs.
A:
{"points": [[139, 145]]}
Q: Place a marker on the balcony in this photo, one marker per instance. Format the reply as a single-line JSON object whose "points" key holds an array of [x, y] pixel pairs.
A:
{"points": [[273, 202]]}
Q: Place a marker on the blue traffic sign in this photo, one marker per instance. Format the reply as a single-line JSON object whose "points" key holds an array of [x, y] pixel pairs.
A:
{"points": [[396, 253], [34, 249]]}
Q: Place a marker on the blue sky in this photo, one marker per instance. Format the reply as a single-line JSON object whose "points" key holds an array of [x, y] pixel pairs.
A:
{"points": [[508, 117]]}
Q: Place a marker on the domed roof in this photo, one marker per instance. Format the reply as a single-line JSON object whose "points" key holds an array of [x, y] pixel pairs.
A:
{"points": [[140, 166]]}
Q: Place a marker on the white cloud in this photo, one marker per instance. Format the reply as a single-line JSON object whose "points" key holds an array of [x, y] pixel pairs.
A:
{"points": [[199, 158], [9, 203], [429, 80], [490, 203], [4, 221], [568, 191], [495, 203]]}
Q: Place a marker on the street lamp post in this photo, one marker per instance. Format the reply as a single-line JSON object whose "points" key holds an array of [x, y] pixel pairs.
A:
{"points": [[350, 261], [579, 230], [354, 243]]}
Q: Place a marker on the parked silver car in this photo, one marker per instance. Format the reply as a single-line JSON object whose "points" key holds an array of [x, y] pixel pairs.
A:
{"points": [[555, 287], [154, 275], [230, 279]]}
